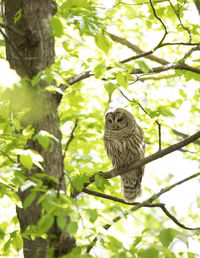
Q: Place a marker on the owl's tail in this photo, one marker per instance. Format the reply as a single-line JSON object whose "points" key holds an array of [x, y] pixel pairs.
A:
{"points": [[131, 184]]}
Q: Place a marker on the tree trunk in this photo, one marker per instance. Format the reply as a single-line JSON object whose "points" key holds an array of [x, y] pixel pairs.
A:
{"points": [[29, 50]]}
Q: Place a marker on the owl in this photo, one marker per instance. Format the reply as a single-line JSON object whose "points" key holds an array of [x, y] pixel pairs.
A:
{"points": [[124, 144]]}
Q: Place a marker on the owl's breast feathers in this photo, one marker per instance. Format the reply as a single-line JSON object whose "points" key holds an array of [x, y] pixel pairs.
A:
{"points": [[124, 146]]}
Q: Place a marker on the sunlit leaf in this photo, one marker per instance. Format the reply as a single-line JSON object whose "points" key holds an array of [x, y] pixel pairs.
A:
{"points": [[29, 199], [166, 236], [56, 26], [143, 66], [92, 214], [26, 160], [110, 87], [99, 70], [121, 79], [44, 138], [149, 252], [103, 42], [72, 227]]}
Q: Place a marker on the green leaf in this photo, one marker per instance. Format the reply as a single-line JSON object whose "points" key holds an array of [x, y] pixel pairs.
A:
{"points": [[28, 132], [110, 87], [165, 111], [143, 66], [7, 246], [99, 70], [92, 214], [18, 15], [149, 252], [36, 79], [54, 89], [17, 124], [56, 26], [45, 223], [191, 255], [62, 221], [80, 180], [26, 160], [44, 139], [2, 233], [100, 182], [17, 242], [137, 241], [121, 79], [72, 227], [182, 93], [29, 157], [102, 42], [166, 236], [114, 244], [29, 199]]}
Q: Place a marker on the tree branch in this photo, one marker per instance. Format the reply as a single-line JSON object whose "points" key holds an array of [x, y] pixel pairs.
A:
{"points": [[175, 66], [164, 68], [155, 156], [115, 199], [113, 173], [146, 203], [136, 49], [158, 78]]}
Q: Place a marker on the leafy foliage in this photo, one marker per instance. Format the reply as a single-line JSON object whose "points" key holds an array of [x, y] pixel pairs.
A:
{"points": [[83, 43]]}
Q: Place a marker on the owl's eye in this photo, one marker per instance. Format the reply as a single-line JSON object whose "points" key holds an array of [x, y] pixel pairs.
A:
{"points": [[110, 120], [119, 120]]}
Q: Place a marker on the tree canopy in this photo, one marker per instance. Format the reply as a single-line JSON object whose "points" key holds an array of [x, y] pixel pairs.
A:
{"points": [[88, 57]]}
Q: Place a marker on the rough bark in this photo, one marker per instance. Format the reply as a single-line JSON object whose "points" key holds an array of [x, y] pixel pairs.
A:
{"points": [[29, 52]]}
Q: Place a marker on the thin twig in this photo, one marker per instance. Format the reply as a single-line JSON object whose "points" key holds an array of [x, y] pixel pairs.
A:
{"points": [[179, 18], [136, 4], [166, 189], [65, 151], [177, 222], [163, 24], [183, 135], [146, 112], [197, 48], [180, 44], [70, 138]]}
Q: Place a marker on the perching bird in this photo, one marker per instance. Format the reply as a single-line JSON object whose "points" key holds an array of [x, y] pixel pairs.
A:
{"points": [[124, 144]]}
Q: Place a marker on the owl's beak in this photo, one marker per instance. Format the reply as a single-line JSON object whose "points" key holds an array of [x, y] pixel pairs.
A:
{"points": [[115, 126]]}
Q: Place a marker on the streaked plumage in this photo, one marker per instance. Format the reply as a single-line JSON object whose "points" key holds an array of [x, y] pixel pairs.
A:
{"points": [[124, 144]]}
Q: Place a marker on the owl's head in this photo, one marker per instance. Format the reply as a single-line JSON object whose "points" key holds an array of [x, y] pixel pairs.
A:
{"points": [[119, 119]]}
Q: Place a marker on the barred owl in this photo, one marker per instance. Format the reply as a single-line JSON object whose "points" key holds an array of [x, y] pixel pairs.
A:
{"points": [[124, 144]]}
